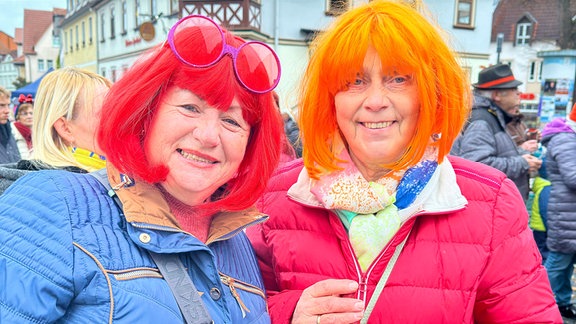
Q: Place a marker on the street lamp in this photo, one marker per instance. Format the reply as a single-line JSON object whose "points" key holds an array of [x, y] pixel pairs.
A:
{"points": [[499, 40]]}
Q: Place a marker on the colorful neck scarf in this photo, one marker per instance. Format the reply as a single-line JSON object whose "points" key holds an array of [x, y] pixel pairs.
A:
{"points": [[90, 160], [26, 133], [369, 209]]}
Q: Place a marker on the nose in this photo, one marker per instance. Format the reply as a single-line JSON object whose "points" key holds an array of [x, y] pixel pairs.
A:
{"points": [[376, 97], [207, 133]]}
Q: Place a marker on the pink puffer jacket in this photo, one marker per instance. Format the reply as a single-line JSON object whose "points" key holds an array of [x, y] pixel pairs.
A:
{"points": [[470, 256]]}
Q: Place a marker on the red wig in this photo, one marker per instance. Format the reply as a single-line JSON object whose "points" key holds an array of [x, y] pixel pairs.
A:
{"points": [[133, 101], [407, 43]]}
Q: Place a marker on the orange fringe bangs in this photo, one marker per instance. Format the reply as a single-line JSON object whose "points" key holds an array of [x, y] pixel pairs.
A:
{"points": [[407, 43]]}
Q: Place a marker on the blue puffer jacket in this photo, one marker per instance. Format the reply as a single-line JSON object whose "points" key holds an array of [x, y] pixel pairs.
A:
{"points": [[69, 255]]}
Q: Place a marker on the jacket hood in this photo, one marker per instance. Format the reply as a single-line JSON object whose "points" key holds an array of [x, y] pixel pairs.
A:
{"points": [[557, 125]]}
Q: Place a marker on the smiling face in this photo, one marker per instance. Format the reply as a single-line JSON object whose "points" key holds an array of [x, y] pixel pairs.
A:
{"points": [[377, 115], [201, 145]]}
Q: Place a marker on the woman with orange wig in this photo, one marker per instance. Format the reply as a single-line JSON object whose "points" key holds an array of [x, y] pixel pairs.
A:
{"points": [[378, 224], [191, 136]]}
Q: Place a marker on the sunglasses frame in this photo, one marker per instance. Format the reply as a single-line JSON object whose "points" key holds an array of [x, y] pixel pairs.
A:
{"points": [[226, 49]]}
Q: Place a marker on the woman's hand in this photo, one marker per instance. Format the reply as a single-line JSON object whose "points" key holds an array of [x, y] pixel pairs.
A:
{"points": [[322, 303]]}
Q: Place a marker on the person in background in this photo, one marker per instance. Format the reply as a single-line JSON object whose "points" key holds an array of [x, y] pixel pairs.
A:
{"points": [[484, 139], [22, 130], [288, 150], [290, 129], [559, 138], [191, 136], [8, 148], [539, 209], [377, 223], [67, 112], [68, 106]]}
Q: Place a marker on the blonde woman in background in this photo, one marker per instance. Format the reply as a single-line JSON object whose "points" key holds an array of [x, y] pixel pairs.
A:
{"points": [[68, 105], [66, 114]]}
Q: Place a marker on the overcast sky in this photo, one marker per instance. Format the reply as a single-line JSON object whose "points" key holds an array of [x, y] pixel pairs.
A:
{"points": [[12, 12]]}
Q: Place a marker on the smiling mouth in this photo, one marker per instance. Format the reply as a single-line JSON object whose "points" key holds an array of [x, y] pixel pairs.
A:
{"points": [[193, 157], [377, 125]]}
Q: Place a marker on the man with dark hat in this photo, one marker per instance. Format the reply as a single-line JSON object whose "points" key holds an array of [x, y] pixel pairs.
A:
{"points": [[484, 139]]}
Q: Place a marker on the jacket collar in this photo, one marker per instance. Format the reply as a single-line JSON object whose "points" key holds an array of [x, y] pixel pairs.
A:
{"points": [[441, 194], [144, 203]]}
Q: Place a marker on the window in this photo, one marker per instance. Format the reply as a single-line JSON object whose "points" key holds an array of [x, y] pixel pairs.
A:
{"points": [[523, 32], [41, 67], [77, 47], [540, 71], [103, 72], [90, 30], [112, 31], [65, 42], [153, 9], [71, 42], [113, 72], [124, 17], [137, 11], [174, 9], [49, 64], [464, 14], [336, 7], [83, 34], [102, 27]]}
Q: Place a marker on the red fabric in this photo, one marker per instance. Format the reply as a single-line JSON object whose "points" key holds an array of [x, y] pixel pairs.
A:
{"points": [[572, 115], [479, 264], [26, 133]]}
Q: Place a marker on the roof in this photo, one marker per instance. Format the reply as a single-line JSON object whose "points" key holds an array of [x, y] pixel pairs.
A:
{"points": [[7, 44], [545, 15], [36, 22]]}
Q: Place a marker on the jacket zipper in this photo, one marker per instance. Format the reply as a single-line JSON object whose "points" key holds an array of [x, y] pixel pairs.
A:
{"points": [[363, 277], [134, 274], [233, 284]]}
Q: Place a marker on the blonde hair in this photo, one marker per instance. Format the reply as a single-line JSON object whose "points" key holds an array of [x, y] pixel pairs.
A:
{"points": [[58, 96], [4, 92], [406, 42]]}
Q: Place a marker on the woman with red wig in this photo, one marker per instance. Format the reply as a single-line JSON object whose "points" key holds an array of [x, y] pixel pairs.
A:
{"points": [[378, 224], [191, 136]]}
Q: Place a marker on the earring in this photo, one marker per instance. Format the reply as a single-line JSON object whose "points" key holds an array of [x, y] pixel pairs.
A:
{"points": [[436, 136]]}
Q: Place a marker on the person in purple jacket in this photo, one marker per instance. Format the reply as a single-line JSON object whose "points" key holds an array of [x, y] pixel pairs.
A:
{"points": [[559, 137]]}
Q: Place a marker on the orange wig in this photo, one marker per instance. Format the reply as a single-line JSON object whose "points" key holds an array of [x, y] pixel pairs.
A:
{"points": [[406, 42]]}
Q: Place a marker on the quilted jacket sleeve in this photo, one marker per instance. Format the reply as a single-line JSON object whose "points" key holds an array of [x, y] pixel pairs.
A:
{"points": [[480, 144], [35, 251], [513, 275]]}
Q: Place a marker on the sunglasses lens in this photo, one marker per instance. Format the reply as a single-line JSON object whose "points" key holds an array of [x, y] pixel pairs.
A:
{"points": [[257, 67], [198, 41]]}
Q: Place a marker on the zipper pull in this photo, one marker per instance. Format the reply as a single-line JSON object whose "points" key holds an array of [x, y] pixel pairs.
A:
{"points": [[243, 307]]}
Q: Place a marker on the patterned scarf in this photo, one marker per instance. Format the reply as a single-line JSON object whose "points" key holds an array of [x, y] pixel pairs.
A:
{"points": [[369, 209]]}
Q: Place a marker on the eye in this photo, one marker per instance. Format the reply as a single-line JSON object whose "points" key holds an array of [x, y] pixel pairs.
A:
{"points": [[398, 82], [190, 108], [357, 82], [231, 121]]}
